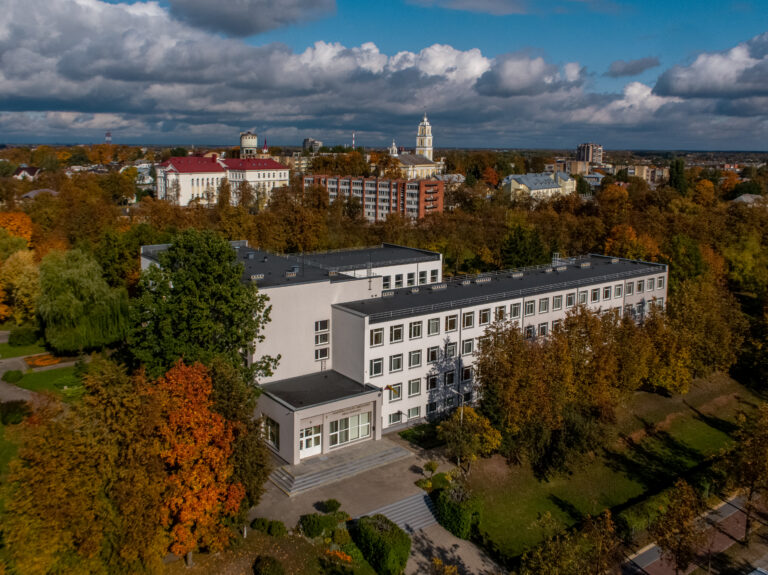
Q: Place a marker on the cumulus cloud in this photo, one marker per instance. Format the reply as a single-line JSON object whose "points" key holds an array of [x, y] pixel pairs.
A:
{"points": [[248, 17], [519, 74], [620, 68], [741, 71]]}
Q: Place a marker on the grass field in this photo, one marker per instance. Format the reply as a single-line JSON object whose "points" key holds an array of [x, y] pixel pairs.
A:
{"points": [[7, 351], [657, 440], [61, 381]]}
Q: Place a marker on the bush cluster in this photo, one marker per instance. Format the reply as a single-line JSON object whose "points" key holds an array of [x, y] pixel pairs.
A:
{"points": [[457, 510], [383, 544], [12, 376], [22, 335], [274, 528], [330, 506], [13, 412], [267, 565], [314, 524]]}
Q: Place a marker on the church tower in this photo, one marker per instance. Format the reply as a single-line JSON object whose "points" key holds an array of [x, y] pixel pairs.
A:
{"points": [[424, 139]]}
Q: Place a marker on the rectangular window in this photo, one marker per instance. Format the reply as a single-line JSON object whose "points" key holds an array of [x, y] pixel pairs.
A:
{"points": [[660, 303], [396, 363], [500, 311], [433, 354], [395, 392], [641, 286], [582, 298], [414, 330], [544, 305], [466, 374], [433, 276], [557, 302], [468, 397], [376, 367], [414, 412], [450, 350], [449, 378], [570, 300], [395, 418], [617, 290], [414, 387], [530, 308], [398, 280], [514, 311], [660, 282], [433, 326], [321, 325], [432, 407], [321, 353], [557, 323], [485, 316], [468, 319], [386, 282], [395, 333], [543, 328], [422, 277], [449, 401], [651, 282], [595, 295], [411, 279], [377, 336], [606, 293], [414, 358], [451, 323], [272, 432], [431, 382], [529, 332], [630, 288], [467, 346], [322, 338]]}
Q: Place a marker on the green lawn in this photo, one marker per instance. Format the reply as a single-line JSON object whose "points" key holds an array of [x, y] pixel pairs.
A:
{"points": [[7, 351], [61, 381], [676, 439], [423, 435]]}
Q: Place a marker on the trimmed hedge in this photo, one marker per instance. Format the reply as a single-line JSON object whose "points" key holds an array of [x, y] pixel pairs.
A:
{"points": [[383, 544], [457, 510], [273, 528], [314, 524], [267, 565], [330, 506], [12, 376], [22, 335]]}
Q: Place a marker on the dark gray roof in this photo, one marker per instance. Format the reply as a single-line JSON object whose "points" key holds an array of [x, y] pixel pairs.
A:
{"points": [[414, 159], [315, 389], [385, 254], [499, 286]]}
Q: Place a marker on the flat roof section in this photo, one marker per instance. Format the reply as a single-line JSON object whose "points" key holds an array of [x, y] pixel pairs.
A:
{"points": [[567, 273], [360, 258], [314, 389]]}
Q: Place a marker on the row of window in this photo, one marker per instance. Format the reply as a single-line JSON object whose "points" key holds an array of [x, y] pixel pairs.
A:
{"points": [[432, 407], [376, 366], [410, 279], [433, 382]]}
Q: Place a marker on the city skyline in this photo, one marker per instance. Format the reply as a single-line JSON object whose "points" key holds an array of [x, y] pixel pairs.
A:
{"points": [[490, 73]]}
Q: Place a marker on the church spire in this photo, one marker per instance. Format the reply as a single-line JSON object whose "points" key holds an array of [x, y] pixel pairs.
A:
{"points": [[424, 138]]}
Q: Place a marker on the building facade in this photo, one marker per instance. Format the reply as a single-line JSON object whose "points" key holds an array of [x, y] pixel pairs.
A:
{"points": [[380, 197], [539, 187], [197, 179], [589, 152]]}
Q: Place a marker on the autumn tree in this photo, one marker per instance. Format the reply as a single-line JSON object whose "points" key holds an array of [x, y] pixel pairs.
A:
{"points": [[20, 279], [194, 305], [77, 309], [468, 435], [17, 224], [559, 553], [601, 543], [677, 531], [195, 447]]}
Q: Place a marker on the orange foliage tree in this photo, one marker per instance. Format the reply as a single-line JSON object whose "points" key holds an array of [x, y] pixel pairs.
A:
{"points": [[17, 223], [196, 448]]}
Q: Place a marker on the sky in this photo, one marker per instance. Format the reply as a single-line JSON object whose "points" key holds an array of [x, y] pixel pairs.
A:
{"points": [[629, 74]]}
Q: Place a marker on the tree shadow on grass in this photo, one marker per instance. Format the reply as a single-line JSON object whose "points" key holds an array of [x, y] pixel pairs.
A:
{"points": [[567, 507], [727, 427]]}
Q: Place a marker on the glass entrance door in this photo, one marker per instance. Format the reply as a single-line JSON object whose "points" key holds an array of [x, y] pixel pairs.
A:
{"points": [[311, 441]]}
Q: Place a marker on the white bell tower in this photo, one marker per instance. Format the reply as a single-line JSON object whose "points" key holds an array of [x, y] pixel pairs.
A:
{"points": [[424, 139]]}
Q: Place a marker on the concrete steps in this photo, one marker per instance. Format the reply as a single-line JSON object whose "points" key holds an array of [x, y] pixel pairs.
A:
{"points": [[410, 514], [292, 482]]}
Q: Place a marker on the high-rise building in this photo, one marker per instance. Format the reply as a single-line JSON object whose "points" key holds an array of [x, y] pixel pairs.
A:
{"points": [[589, 152]]}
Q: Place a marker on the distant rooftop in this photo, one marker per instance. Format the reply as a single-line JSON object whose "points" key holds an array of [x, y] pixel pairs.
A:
{"points": [[534, 181], [566, 273], [414, 160], [360, 258], [314, 389]]}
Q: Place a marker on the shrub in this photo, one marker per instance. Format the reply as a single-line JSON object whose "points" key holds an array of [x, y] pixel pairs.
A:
{"points": [[430, 467], [12, 376], [267, 565], [314, 525], [330, 506], [340, 536], [383, 544], [13, 412], [22, 335], [277, 529], [457, 510]]}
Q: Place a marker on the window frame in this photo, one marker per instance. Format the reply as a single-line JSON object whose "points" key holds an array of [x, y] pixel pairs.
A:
{"points": [[544, 305], [618, 291], [374, 362], [514, 310], [415, 326], [322, 353], [451, 350], [393, 359], [629, 288], [557, 302], [451, 320], [411, 382], [433, 351], [411, 354], [468, 343], [433, 322], [530, 308], [468, 320], [376, 333], [395, 392], [393, 329], [570, 297], [484, 313]]}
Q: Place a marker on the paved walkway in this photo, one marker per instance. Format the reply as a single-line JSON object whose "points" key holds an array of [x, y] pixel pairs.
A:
{"points": [[10, 392]]}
